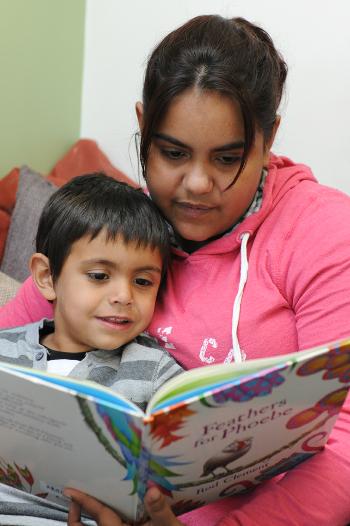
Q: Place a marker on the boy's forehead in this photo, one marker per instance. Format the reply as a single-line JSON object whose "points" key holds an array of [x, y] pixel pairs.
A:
{"points": [[108, 238], [108, 248]]}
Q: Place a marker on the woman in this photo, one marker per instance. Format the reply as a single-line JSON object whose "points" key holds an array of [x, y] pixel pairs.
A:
{"points": [[261, 262]]}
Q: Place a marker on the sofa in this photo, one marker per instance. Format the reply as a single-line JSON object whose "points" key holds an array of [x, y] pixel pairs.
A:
{"points": [[23, 193]]}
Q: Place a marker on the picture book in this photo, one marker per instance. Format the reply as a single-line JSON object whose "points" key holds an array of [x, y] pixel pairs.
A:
{"points": [[208, 433]]}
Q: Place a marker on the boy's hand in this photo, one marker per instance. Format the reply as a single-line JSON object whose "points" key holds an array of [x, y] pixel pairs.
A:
{"points": [[156, 505]]}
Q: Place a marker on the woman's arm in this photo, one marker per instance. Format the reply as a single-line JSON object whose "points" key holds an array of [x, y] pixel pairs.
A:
{"points": [[27, 306], [314, 275]]}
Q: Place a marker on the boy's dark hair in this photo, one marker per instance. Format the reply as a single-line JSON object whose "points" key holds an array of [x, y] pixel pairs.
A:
{"points": [[230, 56], [90, 203]]}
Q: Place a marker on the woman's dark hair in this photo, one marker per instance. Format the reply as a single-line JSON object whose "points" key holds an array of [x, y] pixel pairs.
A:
{"points": [[90, 203], [231, 56]]}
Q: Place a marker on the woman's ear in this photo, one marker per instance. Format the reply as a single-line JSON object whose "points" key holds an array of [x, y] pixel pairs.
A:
{"points": [[40, 268], [274, 130], [270, 142], [139, 114]]}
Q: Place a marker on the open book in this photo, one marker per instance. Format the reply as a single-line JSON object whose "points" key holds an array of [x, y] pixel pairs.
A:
{"points": [[208, 433]]}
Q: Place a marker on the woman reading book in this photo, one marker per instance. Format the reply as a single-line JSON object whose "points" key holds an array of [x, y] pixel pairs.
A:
{"points": [[261, 262]]}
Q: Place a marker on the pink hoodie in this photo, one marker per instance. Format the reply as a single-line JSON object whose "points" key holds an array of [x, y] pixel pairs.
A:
{"points": [[296, 295]]}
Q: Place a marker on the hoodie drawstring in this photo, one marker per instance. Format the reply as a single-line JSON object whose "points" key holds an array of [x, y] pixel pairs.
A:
{"points": [[238, 353]]}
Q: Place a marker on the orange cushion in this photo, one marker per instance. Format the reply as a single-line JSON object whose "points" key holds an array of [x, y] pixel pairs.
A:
{"points": [[8, 189], [85, 157], [4, 227]]}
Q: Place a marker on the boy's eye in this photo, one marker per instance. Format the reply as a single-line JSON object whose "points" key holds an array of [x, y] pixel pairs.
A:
{"points": [[143, 282], [98, 276]]}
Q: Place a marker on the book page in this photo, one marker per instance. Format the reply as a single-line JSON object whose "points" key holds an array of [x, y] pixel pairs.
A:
{"points": [[203, 378], [50, 438], [85, 387]]}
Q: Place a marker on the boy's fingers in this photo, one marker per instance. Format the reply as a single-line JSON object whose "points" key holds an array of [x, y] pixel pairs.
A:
{"points": [[102, 514], [159, 510]]}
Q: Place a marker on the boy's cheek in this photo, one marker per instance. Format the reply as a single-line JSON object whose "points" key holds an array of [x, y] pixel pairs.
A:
{"points": [[149, 310]]}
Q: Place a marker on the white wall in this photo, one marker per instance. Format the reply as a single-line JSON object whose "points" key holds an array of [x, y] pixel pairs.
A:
{"points": [[313, 36]]}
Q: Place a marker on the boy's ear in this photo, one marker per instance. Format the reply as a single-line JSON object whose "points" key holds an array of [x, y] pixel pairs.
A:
{"points": [[40, 268], [139, 114]]}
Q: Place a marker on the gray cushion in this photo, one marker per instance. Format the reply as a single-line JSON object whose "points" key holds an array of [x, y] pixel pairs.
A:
{"points": [[33, 192], [8, 288]]}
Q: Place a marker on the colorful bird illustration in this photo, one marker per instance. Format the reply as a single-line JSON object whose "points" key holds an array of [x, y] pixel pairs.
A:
{"points": [[142, 467], [232, 452]]}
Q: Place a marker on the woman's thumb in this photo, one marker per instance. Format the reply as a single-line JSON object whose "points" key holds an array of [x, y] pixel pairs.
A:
{"points": [[159, 510]]}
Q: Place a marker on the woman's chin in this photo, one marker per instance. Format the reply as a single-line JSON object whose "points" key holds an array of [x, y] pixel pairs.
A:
{"points": [[191, 237], [198, 235]]}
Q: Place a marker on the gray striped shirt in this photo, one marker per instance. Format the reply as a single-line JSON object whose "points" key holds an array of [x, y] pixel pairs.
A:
{"points": [[135, 370]]}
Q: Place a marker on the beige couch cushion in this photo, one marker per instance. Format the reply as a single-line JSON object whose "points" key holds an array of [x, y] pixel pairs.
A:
{"points": [[8, 288]]}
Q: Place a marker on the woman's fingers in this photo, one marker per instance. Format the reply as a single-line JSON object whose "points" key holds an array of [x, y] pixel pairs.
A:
{"points": [[159, 510], [102, 514], [157, 507], [74, 514]]}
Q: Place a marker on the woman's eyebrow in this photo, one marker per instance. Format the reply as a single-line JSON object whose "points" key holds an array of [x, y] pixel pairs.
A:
{"points": [[236, 145], [168, 138]]}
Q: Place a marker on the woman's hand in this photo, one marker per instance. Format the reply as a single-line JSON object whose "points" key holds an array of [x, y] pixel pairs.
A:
{"points": [[156, 505], [102, 514], [159, 510]]}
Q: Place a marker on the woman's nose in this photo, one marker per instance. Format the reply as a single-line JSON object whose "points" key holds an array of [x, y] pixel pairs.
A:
{"points": [[197, 179]]}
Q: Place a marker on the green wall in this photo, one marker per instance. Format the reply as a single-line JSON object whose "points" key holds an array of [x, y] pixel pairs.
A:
{"points": [[41, 63]]}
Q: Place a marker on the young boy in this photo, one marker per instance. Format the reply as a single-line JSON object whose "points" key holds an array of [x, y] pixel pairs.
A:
{"points": [[102, 251]]}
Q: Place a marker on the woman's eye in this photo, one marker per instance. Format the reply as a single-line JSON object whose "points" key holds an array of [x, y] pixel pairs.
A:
{"points": [[98, 276], [173, 155], [143, 282], [228, 159]]}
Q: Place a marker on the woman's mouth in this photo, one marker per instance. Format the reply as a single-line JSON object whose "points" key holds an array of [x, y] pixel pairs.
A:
{"points": [[193, 210]]}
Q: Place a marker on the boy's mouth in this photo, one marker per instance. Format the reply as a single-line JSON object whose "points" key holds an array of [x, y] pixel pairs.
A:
{"points": [[115, 321]]}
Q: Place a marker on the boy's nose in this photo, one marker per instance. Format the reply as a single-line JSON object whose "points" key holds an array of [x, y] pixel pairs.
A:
{"points": [[122, 294]]}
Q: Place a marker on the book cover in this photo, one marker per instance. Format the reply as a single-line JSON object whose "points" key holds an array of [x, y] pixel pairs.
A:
{"points": [[209, 433]]}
